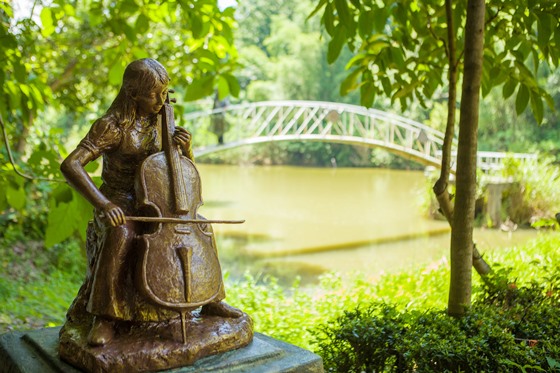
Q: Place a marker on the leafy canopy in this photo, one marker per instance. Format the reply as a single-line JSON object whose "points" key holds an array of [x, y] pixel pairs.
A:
{"points": [[402, 52], [70, 56]]}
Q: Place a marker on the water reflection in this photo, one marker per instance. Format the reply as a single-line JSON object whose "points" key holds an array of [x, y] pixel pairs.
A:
{"points": [[307, 220]]}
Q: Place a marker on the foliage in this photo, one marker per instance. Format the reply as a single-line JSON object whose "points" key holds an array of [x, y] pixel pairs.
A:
{"points": [[37, 285], [56, 57], [534, 193], [283, 54], [509, 325], [401, 47], [382, 339]]}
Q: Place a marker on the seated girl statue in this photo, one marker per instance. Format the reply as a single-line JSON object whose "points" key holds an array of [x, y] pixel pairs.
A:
{"points": [[125, 136]]}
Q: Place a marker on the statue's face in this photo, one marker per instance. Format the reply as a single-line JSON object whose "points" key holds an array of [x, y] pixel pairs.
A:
{"points": [[151, 102]]}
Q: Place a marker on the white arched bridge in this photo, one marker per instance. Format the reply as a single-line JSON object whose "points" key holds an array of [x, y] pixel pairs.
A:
{"points": [[270, 121]]}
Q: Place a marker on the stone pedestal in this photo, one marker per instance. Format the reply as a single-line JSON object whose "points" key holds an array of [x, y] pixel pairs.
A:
{"points": [[150, 347], [36, 351]]}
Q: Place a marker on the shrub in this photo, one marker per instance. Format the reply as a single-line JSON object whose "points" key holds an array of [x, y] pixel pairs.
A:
{"points": [[508, 326]]}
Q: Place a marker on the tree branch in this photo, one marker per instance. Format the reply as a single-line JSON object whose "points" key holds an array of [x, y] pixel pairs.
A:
{"points": [[13, 163]]}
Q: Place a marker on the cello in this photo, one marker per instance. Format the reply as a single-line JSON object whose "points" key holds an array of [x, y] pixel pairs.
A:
{"points": [[179, 267]]}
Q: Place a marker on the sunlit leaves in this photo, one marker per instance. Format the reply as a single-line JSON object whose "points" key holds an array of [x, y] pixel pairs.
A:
{"points": [[350, 83], [47, 22], [520, 37], [72, 57]]}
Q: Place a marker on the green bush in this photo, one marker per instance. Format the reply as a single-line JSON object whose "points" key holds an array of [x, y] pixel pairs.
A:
{"points": [[508, 326]]}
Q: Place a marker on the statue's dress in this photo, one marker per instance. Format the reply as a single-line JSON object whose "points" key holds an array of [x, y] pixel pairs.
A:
{"points": [[109, 289]]}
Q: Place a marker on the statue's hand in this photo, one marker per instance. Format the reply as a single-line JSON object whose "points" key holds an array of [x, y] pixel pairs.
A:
{"points": [[182, 137], [114, 214]]}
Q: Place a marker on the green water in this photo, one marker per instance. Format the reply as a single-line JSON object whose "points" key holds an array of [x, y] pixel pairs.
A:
{"points": [[306, 221]]}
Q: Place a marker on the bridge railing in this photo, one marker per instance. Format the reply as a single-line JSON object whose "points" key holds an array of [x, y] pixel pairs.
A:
{"points": [[494, 161], [312, 120], [259, 122]]}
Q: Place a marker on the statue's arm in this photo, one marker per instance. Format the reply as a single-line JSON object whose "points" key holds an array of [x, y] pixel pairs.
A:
{"points": [[73, 170]]}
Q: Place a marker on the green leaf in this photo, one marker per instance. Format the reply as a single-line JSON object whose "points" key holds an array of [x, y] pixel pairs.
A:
{"points": [[317, 8], [343, 12], [379, 19], [387, 87], [396, 55], [20, 73], [522, 99], [233, 84], [128, 7], [139, 53], [91, 166], [84, 213], [116, 73], [15, 195], [350, 83], [537, 107], [47, 22], [336, 43], [200, 88], [546, 23], [142, 24], [509, 88], [197, 27], [223, 88], [61, 194], [3, 201], [367, 94], [130, 32], [365, 23], [59, 224], [406, 90], [328, 20]]}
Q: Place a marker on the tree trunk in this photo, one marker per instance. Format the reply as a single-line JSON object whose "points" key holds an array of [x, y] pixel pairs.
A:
{"points": [[463, 216], [441, 186]]}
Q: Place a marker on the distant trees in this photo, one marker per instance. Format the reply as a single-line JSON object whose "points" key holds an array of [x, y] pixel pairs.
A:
{"points": [[283, 53]]}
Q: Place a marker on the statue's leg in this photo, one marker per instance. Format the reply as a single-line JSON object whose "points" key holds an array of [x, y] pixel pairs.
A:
{"points": [[107, 301], [218, 307]]}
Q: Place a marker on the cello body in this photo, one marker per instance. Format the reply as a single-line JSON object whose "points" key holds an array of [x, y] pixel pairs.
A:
{"points": [[179, 267]]}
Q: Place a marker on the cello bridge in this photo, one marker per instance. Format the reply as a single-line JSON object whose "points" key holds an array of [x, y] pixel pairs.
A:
{"points": [[182, 230]]}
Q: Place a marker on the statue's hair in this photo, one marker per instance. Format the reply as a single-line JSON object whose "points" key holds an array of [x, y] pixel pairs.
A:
{"points": [[140, 77]]}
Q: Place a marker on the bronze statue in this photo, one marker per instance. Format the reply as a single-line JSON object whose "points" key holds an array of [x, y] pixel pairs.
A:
{"points": [[152, 259]]}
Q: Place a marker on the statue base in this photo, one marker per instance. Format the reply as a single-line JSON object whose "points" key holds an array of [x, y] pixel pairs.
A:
{"points": [[154, 346], [36, 351]]}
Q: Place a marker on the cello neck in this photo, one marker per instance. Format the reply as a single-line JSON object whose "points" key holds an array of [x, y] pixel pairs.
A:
{"points": [[173, 159]]}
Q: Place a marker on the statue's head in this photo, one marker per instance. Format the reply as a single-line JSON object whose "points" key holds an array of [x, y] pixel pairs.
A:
{"points": [[141, 76]]}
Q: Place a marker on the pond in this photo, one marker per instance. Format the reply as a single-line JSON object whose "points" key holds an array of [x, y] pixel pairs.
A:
{"points": [[305, 221]]}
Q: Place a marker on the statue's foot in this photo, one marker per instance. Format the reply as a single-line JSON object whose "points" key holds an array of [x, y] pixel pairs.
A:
{"points": [[101, 332], [221, 309]]}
